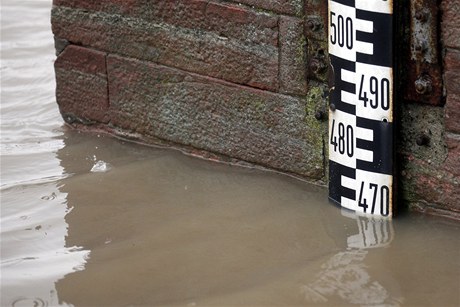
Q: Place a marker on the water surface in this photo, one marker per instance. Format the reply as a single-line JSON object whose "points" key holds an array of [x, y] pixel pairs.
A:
{"points": [[88, 220]]}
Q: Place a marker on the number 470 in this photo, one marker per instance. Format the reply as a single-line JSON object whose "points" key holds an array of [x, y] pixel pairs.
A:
{"points": [[384, 192]]}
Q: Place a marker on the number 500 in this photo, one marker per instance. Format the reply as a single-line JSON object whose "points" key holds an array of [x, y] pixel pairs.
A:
{"points": [[341, 30]]}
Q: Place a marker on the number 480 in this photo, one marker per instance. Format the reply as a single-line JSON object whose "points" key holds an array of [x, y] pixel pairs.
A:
{"points": [[343, 140]]}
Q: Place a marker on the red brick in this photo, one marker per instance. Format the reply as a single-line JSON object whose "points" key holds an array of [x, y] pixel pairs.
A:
{"points": [[81, 84], [441, 191], [435, 187], [202, 52], [450, 26], [452, 84], [293, 77], [452, 163], [452, 71], [251, 125], [452, 113], [84, 60], [226, 20]]}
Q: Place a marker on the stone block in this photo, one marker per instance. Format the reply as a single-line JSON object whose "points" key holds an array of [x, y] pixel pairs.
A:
{"points": [[440, 192], [248, 124], [417, 120], [452, 71], [226, 20], [293, 50], [452, 113], [244, 54], [430, 172], [450, 25], [81, 85], [452, 85], [452, 163], [428, 188]]}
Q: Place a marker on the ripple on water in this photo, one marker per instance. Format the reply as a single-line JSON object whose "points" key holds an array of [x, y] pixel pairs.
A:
{"points": [[27, 302]]}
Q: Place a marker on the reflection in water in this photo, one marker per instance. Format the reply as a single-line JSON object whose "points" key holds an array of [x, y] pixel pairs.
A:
{"points": [[345, 274], [374, 232], [34, 252]]}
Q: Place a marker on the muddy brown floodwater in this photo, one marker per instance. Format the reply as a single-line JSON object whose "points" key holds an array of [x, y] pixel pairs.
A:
{"points": [[88, 220]]}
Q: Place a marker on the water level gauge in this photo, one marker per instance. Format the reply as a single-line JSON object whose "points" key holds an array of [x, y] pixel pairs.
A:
{"points": [[361, 105]]}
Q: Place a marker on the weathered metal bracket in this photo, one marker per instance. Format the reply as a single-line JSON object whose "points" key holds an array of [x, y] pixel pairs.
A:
{"points": [[316, 34], [423, 73]]}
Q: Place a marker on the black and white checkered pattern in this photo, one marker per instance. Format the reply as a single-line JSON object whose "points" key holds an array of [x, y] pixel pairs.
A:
{"points": [[361, 122]]}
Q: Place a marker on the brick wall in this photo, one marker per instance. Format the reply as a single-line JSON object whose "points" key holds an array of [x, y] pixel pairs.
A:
{"points": [[242, 80], [226, 77]]}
